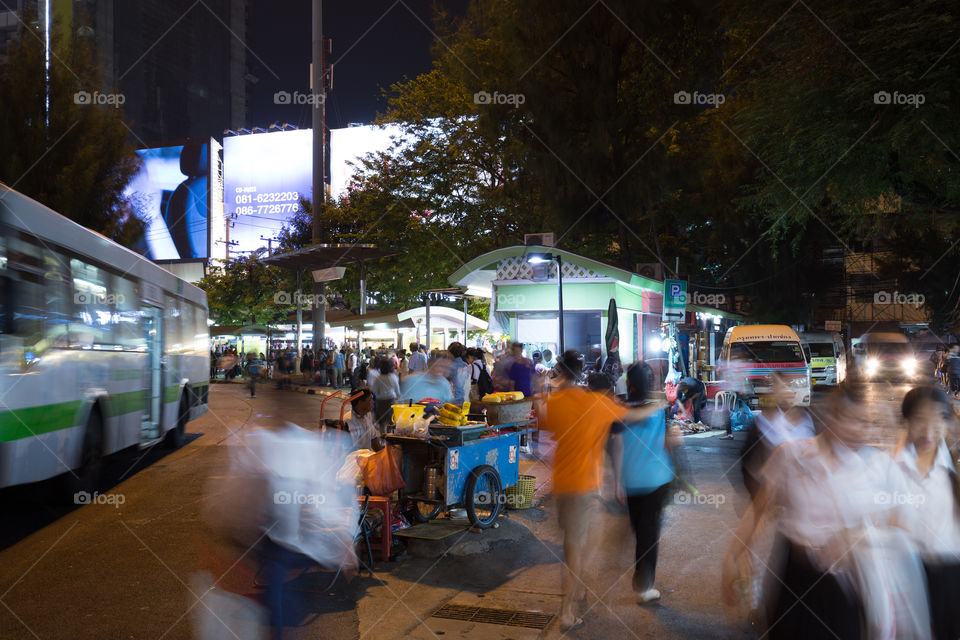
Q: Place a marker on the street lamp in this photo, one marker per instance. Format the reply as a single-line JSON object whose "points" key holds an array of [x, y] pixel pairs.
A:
{"points": [[542, 258]]}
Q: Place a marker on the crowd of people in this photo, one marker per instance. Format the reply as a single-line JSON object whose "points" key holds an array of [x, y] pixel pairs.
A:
{"points": [[866, 541]]}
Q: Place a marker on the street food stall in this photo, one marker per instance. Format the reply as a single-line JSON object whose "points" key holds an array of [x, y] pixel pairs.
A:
{"points": [[466, 464]]}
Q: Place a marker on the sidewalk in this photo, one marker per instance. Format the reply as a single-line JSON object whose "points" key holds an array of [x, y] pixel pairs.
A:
{"points": [[518, 567]]}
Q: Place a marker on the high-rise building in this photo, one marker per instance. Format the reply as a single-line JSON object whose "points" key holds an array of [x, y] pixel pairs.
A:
{"points": [[181, 65]]}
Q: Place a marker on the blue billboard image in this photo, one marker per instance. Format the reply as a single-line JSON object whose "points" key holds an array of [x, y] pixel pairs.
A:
{"points": [[265, 175], [171, 194]]}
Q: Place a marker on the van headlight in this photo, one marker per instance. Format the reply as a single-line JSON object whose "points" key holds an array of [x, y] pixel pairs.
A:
{"points": [[909, 366], [872, 365]]}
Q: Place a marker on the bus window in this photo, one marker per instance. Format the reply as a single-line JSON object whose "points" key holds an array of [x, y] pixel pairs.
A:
{"points": [[198, 331], [172, 330], [186, 326], [37, 284], [94, 306], [128, 327]]}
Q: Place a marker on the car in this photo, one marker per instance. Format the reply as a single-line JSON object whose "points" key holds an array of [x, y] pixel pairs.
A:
{"points": [[886, 355]]}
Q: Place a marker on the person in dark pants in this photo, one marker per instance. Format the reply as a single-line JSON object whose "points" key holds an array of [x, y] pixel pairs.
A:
{"points": [[693, 390], [253, 372], [643, 471]]}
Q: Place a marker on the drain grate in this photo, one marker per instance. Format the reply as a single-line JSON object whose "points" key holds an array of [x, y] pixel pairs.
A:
{"points": [[506, 617]]}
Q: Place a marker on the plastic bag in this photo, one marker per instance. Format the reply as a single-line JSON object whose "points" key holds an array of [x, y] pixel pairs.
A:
{"points": [[741, 417], [421, 427], [670, 389], [381, 473]]}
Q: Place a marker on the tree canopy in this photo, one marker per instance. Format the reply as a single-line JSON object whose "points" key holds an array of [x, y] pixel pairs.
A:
{"points": [[75, 156]]}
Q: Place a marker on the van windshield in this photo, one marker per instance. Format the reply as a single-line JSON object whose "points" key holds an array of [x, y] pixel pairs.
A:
{"points": [[820, 349], [888, 348], [764, 351]]}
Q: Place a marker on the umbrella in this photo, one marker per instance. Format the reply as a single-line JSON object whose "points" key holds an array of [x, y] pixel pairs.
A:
{"points": [[611, 366]]}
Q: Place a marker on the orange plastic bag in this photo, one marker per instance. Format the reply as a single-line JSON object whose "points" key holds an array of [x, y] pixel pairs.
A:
{"points": [[381, 473]]}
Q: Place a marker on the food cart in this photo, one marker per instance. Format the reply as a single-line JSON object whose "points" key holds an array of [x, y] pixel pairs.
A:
{"points": [[463, 466]]}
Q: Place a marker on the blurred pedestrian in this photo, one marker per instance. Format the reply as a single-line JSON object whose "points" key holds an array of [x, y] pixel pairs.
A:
{"points": [[501, 371], [254, 368], [432, 383], [643, 472], [521, 371], [953, 365], [386, 390], [459, 372], [933, 501], [580, 422], [779, 421], [373, 370], [825, 497]]}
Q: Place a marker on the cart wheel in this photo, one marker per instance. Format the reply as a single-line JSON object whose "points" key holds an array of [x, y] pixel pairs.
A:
{"points": [[484, 496], [425, 511]]}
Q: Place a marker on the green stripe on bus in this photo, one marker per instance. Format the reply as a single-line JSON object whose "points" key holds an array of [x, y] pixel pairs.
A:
{"points": [[126, 402], [171, 394], [24, 423]]}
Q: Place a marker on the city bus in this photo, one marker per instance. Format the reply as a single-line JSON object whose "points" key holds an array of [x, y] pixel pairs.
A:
{"points": [[100, 349]]}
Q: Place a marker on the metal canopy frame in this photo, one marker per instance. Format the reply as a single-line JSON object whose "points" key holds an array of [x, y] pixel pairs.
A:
{"points": [[326, 256]]}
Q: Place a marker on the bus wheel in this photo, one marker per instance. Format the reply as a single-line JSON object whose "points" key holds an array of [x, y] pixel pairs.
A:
{"points": [[178, 435], [86, 477]]}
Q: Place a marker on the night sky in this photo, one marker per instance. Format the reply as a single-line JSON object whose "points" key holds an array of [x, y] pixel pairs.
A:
{"points": [[364, 61]]}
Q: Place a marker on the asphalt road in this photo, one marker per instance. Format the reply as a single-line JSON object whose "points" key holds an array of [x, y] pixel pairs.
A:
{"points": [[130, 570]]}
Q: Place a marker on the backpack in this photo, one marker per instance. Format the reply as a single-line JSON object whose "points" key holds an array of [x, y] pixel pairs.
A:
{"points": [[484, 382]]}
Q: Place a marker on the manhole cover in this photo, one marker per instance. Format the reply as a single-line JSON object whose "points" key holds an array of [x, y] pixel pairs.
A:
{"points": [[506, 617]]}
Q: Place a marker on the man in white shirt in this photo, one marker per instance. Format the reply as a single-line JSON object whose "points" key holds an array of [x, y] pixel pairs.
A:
{"points": [[417, 362]]}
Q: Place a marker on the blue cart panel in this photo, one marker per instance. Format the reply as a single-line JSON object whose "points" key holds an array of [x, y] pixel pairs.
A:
{"points": [[502, 452]]}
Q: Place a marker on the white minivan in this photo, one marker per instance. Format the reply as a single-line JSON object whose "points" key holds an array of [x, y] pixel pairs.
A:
{"points": [[828, 358]]}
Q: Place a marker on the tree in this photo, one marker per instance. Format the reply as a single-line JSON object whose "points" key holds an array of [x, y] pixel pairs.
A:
{"points": [[247, 292], [79, 163], [849, 106]]}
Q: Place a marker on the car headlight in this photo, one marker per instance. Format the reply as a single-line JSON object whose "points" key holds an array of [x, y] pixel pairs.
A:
{"points": [[909, 365], [872, 364]]}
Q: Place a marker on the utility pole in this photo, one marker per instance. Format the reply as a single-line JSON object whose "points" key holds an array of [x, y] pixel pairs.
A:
{"points": [[269, 245], [319, 93]]}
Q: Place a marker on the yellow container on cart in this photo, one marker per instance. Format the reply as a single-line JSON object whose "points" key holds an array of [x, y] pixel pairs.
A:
{"points": [[410, 411]]}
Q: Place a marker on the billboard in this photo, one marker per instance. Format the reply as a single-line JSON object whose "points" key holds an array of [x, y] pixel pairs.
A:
{"points": [[264, 177], [172, 194], [349, 145], [218, 223]]}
